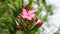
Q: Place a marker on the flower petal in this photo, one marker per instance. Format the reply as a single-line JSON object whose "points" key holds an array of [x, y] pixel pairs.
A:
{"points": [[24, 12], [31, 11], [32, 15], [29, 18], [24, 16]]}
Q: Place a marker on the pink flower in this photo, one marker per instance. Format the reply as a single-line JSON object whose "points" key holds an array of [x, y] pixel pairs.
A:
{"points": [[39, 22], [28, 14]]}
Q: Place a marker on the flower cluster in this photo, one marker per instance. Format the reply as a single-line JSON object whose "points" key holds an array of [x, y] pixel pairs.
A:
{"points": [[30, 17]]}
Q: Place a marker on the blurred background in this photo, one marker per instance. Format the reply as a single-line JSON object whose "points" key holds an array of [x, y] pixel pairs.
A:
{"points": [[53, 20]]}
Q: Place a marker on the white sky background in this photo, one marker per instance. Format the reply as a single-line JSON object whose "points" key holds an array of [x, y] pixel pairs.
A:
{"points": [[54, 20], [56, 9]]}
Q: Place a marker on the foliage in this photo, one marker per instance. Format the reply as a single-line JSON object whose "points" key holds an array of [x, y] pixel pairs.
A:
{"points": [[10, 9]]}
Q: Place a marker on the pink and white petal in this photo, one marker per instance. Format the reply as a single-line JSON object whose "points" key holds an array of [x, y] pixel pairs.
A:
{"points": [[29, 18], [24, 16], [32, 15], [24, 12], [31, 11], [38, 21]]}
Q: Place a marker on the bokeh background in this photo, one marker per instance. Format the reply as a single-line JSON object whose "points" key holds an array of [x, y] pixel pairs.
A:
{"points": [[53, 20]]}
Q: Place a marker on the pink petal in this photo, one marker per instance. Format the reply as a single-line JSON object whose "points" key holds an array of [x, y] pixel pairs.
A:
{"points": [[24, 16], [29, 15], [31, 11], [29, 18], [32, 15], [24, 12]]}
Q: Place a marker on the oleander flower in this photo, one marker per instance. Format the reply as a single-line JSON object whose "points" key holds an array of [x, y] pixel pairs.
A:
{"points": [[28, 14]]}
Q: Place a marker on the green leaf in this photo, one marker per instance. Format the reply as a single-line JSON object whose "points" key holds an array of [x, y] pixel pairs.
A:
{"points": [[20, 32], [31, 27], [24, 23], [3, 5], [43, 2], [38, 32], [18, 4], [44, 19], [15, 7], [56, 33], [33, 31], [30, 2], [2, 0], [38, 11], [49, 9], [4, 31], [12, 7]]}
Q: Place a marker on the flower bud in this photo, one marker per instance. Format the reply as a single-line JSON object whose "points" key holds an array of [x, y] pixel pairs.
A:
{"points": [[19, 17], [19, 27], [39, 23]]}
